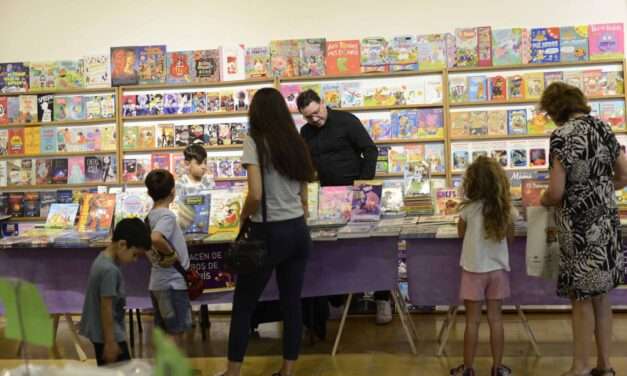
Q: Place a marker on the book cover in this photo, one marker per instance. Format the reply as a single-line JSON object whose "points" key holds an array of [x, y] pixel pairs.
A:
{"points": [[4, 141], [199, 102], [4, 111], [206, 65], [592, 82], [241, 100], [197, 134], [129, 105], [382, 160], [466, 47], [76, 108], [93, 169], [132, 205], [14, 172], [434, 155], [108, 138], [611, 112], [129, 168], [574, 78], [516, 87], [396, 159], [32, 141], [62, 215], [225, 167], [332, 95], [451, 50], [233, 62], [406, 121], [64, 139], [160, 161], [366, 200], [178, 165], [76, 170], [498, 88], [550, 77], [545, 45], [124, 66], [403, 53], [614, 83], [179, 67], [499, 153], [16, 141], [45, 107], [238, 133], [27, 172], [151, 67], [517, 122], [109, 168], [285, 58], [65, 197], [165, 135], [507, 46], [335, 204], [430, 123], [518, 154], [13, 109], [107, 104], [431, 51], [380, 129], [532, 190], [458, 89], [484, 46], [415, 91], [185, 103], [213, 101], [199, 204], [416, 179], [227, 102], [96, 212], [170, 104], [28, 109], [447, 201], [257, 62], [155, 104], [574, 43], [142, 164], [43, 171], [478, 126], [477, 88], [70, 75], [93, 107], [606, 41], [225, 209], [181, 135], [42, 75], [374, 55], [343, 57], [312, 57], [47, 198], [460, 124], [130, 139], [460, 153], [146, 137], [392, 196], [433, 91], [97, 71], [290, 92], [497, 123], [238, 169], [59, 171], [538, 153], [14, 77], [534, 85]]}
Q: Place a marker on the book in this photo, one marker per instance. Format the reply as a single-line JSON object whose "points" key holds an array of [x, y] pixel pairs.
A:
{"points": [[42, 75], [93, 169], [171, 104], [499, 153], [396, 159], [290, 92], [155, 104], [257, 62], [16, 141], [60, 171], [592, 82], [484, 46], [199, 102], [233, 62], [181, 135], [62, 215], [96, 212], [606, 41], [517, 122], [108, 138], [574, 78], [129, 168], [478, 125], [165, 135], [534, 85], [451, 50], [146, 137], [574, 43], [332, 94], [4, 141], [213, 101], [550, 77], [382, 160], [70, 75], [4, 111], [238, 133], [93, 107], [241, 100], [131, 205], [406, 121], [373, 55], [497, 123], [13, 109], [178, 165], [28, 109], [197, 134], [545, 45], [227, 101], [47, 198], [199, 204], [516, 87], [76, 108], [335, 204], [179, 67], [538, 154], [142, 167], [285, 58], [129, 105], [381, 129], [151, 66], [431, 51], [130, 138], [403, 53], [342, 57], [351, 94], [43, 171], [225, 209], [61, 108], [65, 197], [124, 66], [460, 153], [76, 170], [518, 154], [206, 65], [447, 201], [160, 161], [434, 155], [611, 112], [32, 141], [14, 77], [498, 88], [458, 89], [45, 107], [614, 83], [14, 172], [64, 138], [532, 190], [97, 71], [415, 92], [466, 47], [507, 46], [107, 106], [430, 123], [312, 57], [477, 88], [366, 200]]}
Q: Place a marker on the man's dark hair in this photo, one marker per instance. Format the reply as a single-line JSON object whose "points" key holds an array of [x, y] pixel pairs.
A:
{"points": [[306, 97], [134, 231], [196, 152], [159, 183]]}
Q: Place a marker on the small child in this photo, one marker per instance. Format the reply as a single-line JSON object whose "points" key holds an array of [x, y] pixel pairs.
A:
{"points": [[102, 320], [485, 221], [168, 289], [196, 180]]}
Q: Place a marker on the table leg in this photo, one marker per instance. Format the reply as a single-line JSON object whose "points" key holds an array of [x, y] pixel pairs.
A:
{"points": [[204, 321], [54, 352], [446, 328], [528, 331], [401, 315], [342, 322], [140, 328], [131, 329], [77, 345], [405, 310]]}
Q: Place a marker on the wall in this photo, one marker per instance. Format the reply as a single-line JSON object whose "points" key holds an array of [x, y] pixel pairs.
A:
{"points": [[43, 29]]}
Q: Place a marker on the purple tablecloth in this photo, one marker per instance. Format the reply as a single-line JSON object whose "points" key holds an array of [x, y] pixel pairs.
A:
{"points": [[433, 275], [337, 267]]}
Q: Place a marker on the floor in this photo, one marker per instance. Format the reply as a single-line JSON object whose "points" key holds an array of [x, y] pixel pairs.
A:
{"points": [[366, 349]]}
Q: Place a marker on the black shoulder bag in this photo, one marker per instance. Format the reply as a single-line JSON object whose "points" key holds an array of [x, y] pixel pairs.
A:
{"points": [[247, 254]]}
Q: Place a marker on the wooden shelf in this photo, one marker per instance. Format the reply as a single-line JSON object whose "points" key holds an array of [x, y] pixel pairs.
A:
{"points": [[141, 183], [525, 101], [363, 76], [65, 123], [192, 85], [57, 186], [384, 108], [27, 219], [181, 148], [59, 155], [494, 138], [61, 92], [509, 169], [400, 175], [497, 68], [409, 141], [195, 115]]}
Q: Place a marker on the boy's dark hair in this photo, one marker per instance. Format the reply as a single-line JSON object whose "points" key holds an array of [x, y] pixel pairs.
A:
{"points": [[306, 97], [134, 231], [196, 152], [561, 101], [159, 183]]}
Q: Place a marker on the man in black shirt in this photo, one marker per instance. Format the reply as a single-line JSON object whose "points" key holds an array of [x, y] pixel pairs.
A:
{"points": [[342, 152]]}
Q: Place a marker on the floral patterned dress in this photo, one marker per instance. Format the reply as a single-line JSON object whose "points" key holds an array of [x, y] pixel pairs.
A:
{"points": [[591, 261]]}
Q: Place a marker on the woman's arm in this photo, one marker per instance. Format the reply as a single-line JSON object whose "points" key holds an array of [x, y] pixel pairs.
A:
{"points": [[304, 198], [620, 172], [253, 198], [557, 185], [461, 228]]}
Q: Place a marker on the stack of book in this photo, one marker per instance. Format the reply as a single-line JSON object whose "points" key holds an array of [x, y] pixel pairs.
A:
{"points": [[355, 230], [388, 227]]}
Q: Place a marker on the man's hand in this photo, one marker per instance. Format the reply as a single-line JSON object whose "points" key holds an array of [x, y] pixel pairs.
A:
{"points": [[110, 352]]}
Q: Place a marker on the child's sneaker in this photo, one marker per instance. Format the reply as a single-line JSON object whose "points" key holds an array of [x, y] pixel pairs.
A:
{"points": [[501, 371], [462, 371]]}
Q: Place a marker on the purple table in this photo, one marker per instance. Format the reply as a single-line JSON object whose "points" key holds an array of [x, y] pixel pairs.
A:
{"points": [[337, 267]]}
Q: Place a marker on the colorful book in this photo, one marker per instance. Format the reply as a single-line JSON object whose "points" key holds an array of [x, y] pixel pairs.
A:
{"points": [[451, 50], [181, 135], [403, 53], [538, 153], [447, 201], [382, 160], [374, 55], [290, 92], [406, 121], [16, 204], [93, 107], [430, 123], [97, 71], [396, 159], [225, 209], [155, 104], [343, 57], [76, 170], [107, 104], [199, 205], [45, 108], [129, 105], [4, 141], [458, 89], [59, 171], [206, 65], [593, 82], [478, 126], [43, 171], [466, 45], [518, 154], [614, 83], [227, 102], [550, 77], [477, 88], [165, 135], [434, 155], [335, 204], [484, 46], [199, 102], [285, 58], [124, 66], [43, 75], [96, 212], [32, 141], [16, 141], [4, 111], [130, 138], [312, 57], [534, 85], [233, 62], [497, 123], [516, 87], [13, 109], [70, 75], [606, 41], [517, 122], [257, 62], [47, 198], [179, 67], [197, 134], [108, 138], [132, 205], [366, 200], [62, 216], [574, 43], [146, 137], [28, 109], [507, 46], [351, 94], [611, 112], [574, 78], [76, 108], [93, 169], [160, 161], [532, 190], [498, 88], [332, 94], [460, 124], [545, 45], [431, 51], [14, 77], [213, 101], [151, 66]]}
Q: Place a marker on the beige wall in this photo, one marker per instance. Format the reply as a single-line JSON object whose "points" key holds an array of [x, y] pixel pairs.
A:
{"points": [[45, 29]]}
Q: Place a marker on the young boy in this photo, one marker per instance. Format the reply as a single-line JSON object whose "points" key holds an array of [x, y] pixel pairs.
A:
{"points": [[168, 289], [102, 320], [196, 180]]}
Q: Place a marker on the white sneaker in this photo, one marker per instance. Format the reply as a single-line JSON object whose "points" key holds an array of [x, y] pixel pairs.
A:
{"points": [[384, 312]]}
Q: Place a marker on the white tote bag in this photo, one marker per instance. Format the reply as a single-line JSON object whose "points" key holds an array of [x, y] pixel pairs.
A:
{"points": [[543, 251]]}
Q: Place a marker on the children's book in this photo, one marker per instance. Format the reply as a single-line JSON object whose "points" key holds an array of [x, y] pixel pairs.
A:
{"points": [[16, 204], [532, 190], [606, 41], [460, 124], [61, 108], [197, 134], [152, 64], [227, 103], [406, 121], [16, 141], [534, 85], [499, 153], [366, 201], [545, 45], [124, 66], [143, 102], [225, 209], [47, 198], [351, 94], [332, 95], [76, 170], [458, 89], [447, 201], [181, 135], [178, 165], [477, 88], [614, 83], [129, 105], [611, 112], [233, 62], [108, 138], [96, 213], [132, 205], [538, 153], [59, 171], [335, 204], [484, 46], [516, 87], [43, 171], [382, 160], [392, 196], [161, 161], [517, 122], [290, 92], [45, 106], [70, 75], [97, 71], [206, 65], [76, 108], [28, 109], [466, 45], [146, 137], [13, 109], [43, 75], [498, 88], [32, 141], [574, 43], [507, 46], [285, 58], [179, 67], [165, 135], [48, 138], [257, 62], [518, 154], [14, 77], [478, 126], [199, 207], [497, 123], [574, 78], [93, 107], [4, 115], [62, 216], [199, 102], [374, 55], [94, 169], [430, 123], [550, 77], [434, 155], [343, 57], [403, 53], [396, 159], [129, 166], [131, 138], [170, 104], [155, 104], [312, 57], [431, 51], [451, 50], [593, 82]]}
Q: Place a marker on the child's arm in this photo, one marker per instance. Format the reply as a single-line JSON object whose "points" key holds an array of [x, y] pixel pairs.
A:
{"points": [[160, 243], [461, 228], [111, 349]]}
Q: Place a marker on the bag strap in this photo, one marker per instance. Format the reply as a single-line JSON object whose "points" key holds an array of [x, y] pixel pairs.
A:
{"points": [[264, 208], [177, 264]]}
